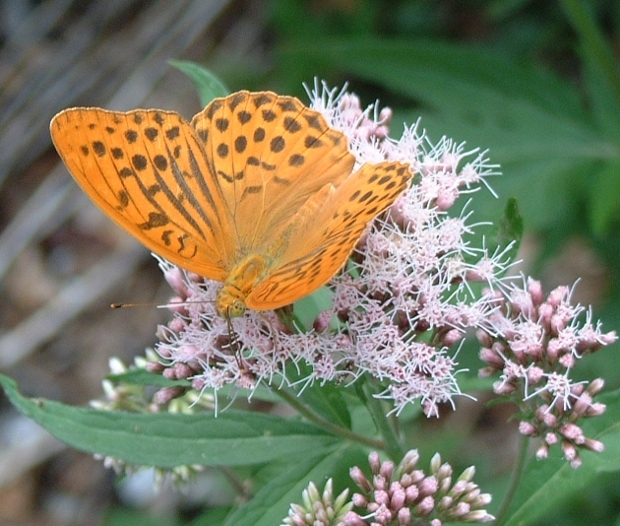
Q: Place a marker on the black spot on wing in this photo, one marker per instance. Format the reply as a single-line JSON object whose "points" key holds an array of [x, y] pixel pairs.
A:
{"points": [[236, 99], [241, 144], [173, 133], [155, 220], [131, 136], [261, 99], [259, 134], [277, 144], [151, 133], [213, 107], [222, 124], [291, 125], [160, 162], [99, 148], [222, 150], [244, 117], [269, 115], [296, 160], [139, 162]]}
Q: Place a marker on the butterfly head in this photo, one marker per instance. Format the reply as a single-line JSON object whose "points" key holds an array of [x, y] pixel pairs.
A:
{"points": [[230, 302]]}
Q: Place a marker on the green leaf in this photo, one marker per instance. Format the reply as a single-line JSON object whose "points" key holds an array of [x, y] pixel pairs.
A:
{"points": [[601, 64], [125, 517], [208, 84], [602, 100], [511, 225], [326, 400], [212, 517], [604, 195], [510, 229], [532, 123], [308, 307], [549, 482], [444, 75], [232, 438], [271, 504]]}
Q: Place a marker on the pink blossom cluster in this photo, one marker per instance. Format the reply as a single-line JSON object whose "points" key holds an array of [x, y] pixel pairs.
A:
{"points": [[404, 494], [534, 342], [343, 111], [319, 509], [395, 495], [399, 310]]}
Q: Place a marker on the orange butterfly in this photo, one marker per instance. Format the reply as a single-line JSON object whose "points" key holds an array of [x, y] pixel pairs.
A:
{"points": [[256, 192]]}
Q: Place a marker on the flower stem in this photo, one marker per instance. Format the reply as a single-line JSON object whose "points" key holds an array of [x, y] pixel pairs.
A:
{"points": [[517, 474], [310, 415], [377, 411]]}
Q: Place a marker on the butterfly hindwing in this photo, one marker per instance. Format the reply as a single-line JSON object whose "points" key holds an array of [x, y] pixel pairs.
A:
{"points": [[326, 231]]}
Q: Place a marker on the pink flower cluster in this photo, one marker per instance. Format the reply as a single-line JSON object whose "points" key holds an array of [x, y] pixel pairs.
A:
{"points": [[396, 495], [401, 494], [319, 509], [400, 309], [534, 342]]}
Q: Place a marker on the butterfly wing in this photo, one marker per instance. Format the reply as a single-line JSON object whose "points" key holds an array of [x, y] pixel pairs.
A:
{"points": [[146, 169], [325, 231], [269, 154], [254, 173]]}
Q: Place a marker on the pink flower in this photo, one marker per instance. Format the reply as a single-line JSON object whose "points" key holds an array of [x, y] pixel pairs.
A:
{"points": [[534, 343]]}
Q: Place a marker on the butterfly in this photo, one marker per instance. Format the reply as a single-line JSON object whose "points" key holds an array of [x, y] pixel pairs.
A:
{"points": [[256, 192]]}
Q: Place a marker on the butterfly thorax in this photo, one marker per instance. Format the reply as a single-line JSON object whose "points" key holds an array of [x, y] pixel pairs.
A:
{"points": [[231, 298]]}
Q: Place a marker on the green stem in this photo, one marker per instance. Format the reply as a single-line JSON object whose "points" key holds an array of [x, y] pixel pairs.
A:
{"points": [[303, 410], [377, 411], [515, 480], [596, 50], [237, 482]]}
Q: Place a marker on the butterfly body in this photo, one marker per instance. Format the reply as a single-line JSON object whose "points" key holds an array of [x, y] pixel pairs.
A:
{"points": [[257, 192], [232, 298]]}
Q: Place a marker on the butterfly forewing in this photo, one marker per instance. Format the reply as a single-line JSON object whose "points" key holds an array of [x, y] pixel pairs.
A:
{"points": [[270, 155], [146, 169]]}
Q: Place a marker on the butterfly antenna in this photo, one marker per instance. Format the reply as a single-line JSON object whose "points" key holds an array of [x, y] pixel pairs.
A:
{"points": [[132, 305], [158, 305]]}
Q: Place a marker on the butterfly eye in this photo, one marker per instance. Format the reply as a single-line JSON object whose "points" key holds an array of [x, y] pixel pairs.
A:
{"points": [[237, 309]]}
